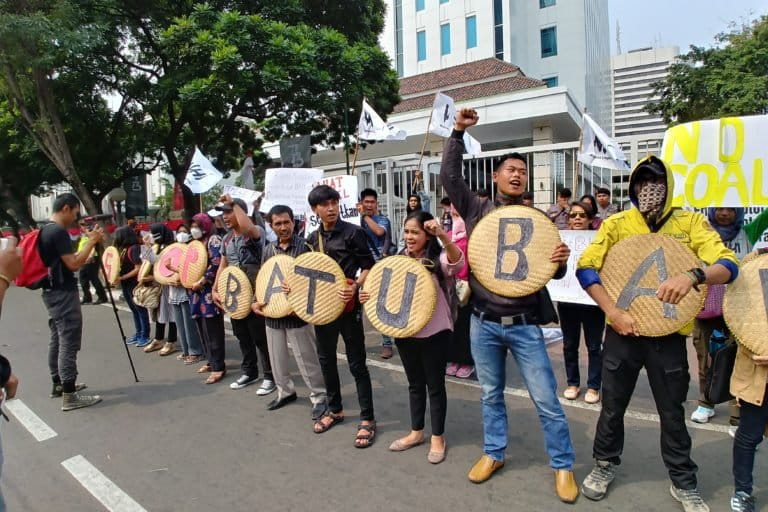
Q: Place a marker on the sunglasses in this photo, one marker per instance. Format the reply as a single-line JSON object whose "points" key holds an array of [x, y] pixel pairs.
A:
{"points": [[577, 214]]}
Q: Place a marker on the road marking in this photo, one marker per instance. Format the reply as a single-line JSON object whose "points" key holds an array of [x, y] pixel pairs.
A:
{"points": [[102, 488], [31, 421]]}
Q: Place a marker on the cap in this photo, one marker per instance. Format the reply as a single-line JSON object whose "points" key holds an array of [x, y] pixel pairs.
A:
{"points": [[228, 207]]}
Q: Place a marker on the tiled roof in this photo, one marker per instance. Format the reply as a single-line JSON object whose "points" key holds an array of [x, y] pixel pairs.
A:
{"points": [[444, 78]]}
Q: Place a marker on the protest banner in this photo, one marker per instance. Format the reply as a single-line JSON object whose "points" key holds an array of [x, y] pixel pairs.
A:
{"points": [[289, 187], [268, 286], [568, 288], [235, 292], [172, 256], [249, 196], [346, 186], [315, 282], [194, 264], [718, 162]]}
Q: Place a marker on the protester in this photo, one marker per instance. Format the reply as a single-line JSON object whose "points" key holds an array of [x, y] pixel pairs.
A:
{"points": [[492, 337], [664, 358], [348, 245], [208, 317], [558, 212], [604, 206], [377, 230], [574, 317], [594, 221], [739, 237], [242, 247], [89, 274], [291, 329], [191, 346], [127, 243], [459, 355], [423, 354], [62, 300], [163, 236], [528, 199], [445, 217]]}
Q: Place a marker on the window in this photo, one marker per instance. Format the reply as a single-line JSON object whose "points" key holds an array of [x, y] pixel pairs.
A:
{"points": [[546, 3], [551, 81], [548, 42], [471, 32], [421, 45], [419, 5], [498, 29], [443, 1], [445, 39]]}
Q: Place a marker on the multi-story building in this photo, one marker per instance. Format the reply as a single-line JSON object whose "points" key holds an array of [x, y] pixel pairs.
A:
{"points": [[563, 42]]}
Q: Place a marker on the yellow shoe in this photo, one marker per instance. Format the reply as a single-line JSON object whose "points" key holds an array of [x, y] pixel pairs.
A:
{"points": [[484, 469], [155, 345], [168, 348], [565, 486]]}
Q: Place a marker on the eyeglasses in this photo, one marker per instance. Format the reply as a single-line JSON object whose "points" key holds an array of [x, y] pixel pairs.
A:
{"points": [[573, 215]]}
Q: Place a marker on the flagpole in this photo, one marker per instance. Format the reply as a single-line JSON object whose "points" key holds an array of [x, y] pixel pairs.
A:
{"points": [[200, 196], [423, 147], [354, 159]]}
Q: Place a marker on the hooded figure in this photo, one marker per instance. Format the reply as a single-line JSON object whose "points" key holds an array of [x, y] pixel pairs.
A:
{"points": [[664, 358], [162, 234]]}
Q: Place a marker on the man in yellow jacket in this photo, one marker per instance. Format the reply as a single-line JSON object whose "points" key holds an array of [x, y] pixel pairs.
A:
{"points": [[664, 358], [89, 273]]}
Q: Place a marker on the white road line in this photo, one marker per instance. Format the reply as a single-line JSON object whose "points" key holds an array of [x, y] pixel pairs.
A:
{"points": [[102, 488], [31, 421]]}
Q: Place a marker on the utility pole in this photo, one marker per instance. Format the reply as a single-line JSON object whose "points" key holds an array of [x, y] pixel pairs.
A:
{"points": [[346, 136]]}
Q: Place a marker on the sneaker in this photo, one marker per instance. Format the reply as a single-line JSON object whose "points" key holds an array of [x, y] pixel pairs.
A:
{"points": [[75, 400], [690, 499], [151, 347], [267, 386], [143, 343], [132, 340], [595, 486], [702, 414], [58, 389], [742, 502], [451, 369], [243, 381]]}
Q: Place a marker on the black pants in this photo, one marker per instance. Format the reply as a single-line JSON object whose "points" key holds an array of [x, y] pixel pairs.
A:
{"points": [[424, 363], [89, 274], [754, 419], [572, 318], [160, 332], [665, 362], [459, 351], [251, 332], [350, 326], [212, 335]]}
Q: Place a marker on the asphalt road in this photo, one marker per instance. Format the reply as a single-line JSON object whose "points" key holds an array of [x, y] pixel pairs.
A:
{"points": [[170, 443]]}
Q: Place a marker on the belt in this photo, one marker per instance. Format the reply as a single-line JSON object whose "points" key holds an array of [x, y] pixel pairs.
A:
{"points": [[522, 319]]}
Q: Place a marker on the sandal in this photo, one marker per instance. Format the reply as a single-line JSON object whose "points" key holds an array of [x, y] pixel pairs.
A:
{"points": [[365, 440], [321, 426], [181, 357], [204, 369], [215, 377], [193, 359]]}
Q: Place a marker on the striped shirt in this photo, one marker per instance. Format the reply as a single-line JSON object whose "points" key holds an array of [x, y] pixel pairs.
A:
{"points": [[296, 247]]}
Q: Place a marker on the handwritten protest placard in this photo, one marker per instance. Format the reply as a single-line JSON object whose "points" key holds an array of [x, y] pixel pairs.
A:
{"points": [[719, 162], [249, 196], [568, 288], [289, 187], [346, 186]]}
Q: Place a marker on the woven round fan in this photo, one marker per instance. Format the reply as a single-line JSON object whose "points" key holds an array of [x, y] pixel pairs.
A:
{"points": [[111, 261], [144, 270], [268, 287], [403, 296], [510, 248], [745, 307], [172, 256], [634, 269], [194, 264], [235, 292], [315, 282]]}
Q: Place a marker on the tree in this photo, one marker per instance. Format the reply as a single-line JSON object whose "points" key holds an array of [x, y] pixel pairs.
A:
{"points": [[728, 79]]}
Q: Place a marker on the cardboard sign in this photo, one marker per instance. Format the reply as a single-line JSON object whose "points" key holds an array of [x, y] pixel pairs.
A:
{"points": [[721, 162], [403, 296], [269, 286], [249, 196], [172, 256], [194, 264], [289, 187], [235, 292], [346, 186], [510, 248], [634, 269], [111, 261], [315, 282], [568, 288], [745, 307]]}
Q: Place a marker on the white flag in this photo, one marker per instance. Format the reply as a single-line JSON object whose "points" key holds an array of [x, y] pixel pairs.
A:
{"points": [[373, 127], [246, 173], [202, 176], [599, 150], [442, 121]]}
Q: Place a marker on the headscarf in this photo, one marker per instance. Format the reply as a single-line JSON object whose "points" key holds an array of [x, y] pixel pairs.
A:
{"points": [[204, 222], [731, 231], [162, 234]]}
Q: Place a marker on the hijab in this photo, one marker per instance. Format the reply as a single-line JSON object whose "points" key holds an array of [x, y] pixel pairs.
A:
{"points": [[731, 231]]}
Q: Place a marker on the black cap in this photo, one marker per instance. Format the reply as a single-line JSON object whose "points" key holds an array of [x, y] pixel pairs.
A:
{"points": [[228, 207]]}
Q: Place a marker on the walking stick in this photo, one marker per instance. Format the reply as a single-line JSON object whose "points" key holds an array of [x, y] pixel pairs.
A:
{"points": [[117, 316]]}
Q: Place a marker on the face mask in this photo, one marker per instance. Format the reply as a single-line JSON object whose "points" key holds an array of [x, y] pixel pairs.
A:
{"points": [[183, 238], [197, 233], [651, 198]]}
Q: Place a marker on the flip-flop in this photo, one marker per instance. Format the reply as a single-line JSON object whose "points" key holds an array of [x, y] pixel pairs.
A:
{"points": [[206, 368], [213, 378], [335, 418]]}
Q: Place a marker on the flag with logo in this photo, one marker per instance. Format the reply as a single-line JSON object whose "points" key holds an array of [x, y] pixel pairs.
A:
{"points": [[373, 127], [598, 149], [202, 176], [442, 120]]}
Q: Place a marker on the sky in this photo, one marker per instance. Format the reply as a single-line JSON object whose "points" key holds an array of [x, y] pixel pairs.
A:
{"points": [[660, 23]]}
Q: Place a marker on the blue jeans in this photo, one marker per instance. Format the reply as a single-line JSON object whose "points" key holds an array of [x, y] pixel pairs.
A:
{"points": [[187, 330], [490, 342], [140, 314]]}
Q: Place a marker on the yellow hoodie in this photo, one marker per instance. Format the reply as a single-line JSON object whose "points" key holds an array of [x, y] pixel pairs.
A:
{"points": [[689, 228]]}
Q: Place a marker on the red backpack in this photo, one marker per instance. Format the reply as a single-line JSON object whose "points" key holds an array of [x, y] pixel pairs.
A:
{"points": [[34, 272]]}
